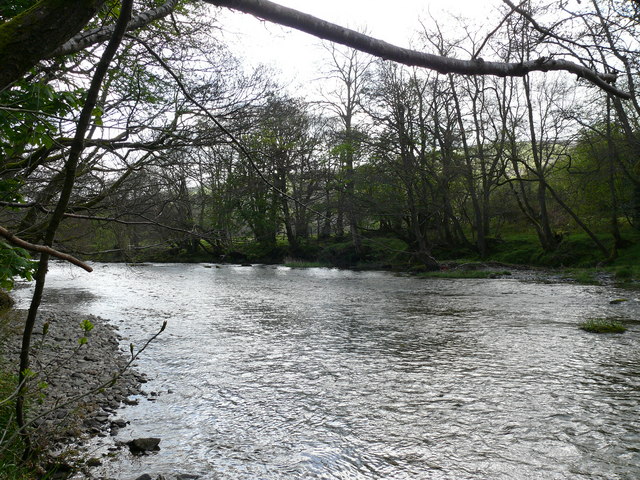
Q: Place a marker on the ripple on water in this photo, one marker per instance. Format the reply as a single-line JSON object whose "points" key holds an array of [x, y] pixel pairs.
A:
{"points": [[280, 373]]}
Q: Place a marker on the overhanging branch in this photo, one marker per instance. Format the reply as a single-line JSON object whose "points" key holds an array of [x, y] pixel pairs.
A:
{"points": [[329, 31], [32, 247]]}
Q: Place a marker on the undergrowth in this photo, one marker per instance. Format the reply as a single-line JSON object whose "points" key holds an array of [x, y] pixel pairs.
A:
{"points": [[10, 450]]}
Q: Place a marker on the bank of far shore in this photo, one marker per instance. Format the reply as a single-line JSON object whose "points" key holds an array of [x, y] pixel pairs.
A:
{"points": [[575, 259]]}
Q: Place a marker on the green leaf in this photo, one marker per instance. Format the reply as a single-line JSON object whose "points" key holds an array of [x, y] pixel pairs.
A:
{"points": [[86, 325]]}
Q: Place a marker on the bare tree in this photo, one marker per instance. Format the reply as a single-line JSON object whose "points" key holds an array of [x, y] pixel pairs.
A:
{"points": [[350, 70]]}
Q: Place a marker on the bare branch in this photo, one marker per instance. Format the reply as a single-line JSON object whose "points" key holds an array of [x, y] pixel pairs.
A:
{"points": [[32, 247], [76, 398], [476, 54], [329, 31], [233, 140], [546, 32]]}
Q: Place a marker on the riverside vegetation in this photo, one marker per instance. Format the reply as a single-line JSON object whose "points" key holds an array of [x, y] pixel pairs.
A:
{"points": [[603, 325], [573, 260]]}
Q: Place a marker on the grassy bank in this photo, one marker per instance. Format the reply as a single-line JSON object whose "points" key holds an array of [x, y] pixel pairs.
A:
{"points": [[576, 256]]}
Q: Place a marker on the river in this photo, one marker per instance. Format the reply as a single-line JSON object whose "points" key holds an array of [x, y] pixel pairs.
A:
{"points": [[275, 373]]}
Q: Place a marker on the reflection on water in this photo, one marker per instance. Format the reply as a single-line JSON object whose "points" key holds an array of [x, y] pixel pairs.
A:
{"points": [[277, 373]]}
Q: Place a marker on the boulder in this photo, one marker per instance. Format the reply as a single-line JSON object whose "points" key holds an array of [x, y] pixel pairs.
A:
{"points": [[140, 446]]}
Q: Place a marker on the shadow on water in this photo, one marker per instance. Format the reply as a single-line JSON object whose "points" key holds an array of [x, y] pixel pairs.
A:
{"points": [[69, 297]]}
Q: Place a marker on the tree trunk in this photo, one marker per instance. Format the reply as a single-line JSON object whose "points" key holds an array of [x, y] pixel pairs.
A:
{"points": [[545, 232], [37, 32], [611, 161], [70, 169]]}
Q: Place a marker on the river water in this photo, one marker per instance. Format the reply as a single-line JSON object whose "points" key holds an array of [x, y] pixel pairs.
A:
{"points": [[275, 373]]}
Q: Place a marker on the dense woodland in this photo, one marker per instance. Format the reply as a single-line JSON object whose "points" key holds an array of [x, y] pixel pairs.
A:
{"points": [[189, 155], [128, 131]]}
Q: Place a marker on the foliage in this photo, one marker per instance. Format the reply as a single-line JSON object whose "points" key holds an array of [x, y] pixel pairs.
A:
{"points": [[386, 251], [626, 266], [603, 325], [14, 262], [31, 122], [10, 465], [624, 274], [583, 276], [86, 326]]}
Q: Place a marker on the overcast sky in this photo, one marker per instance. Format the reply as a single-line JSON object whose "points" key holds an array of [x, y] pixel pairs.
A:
{"points": [[298, 55]]}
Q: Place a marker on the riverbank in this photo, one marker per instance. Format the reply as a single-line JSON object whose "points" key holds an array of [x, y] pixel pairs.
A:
{"points": [[575, 257], [71, 394]]}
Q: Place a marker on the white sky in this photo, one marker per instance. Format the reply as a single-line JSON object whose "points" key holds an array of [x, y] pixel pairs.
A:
{"points": [[299, 57]]}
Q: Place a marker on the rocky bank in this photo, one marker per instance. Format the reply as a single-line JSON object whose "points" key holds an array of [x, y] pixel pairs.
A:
{"points": [[71, 395]]}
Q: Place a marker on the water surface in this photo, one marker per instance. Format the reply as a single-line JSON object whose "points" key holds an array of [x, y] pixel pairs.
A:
{"points": [[277, 373]]}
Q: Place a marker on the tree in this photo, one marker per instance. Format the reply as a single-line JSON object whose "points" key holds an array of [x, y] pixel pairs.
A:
{"points": [[407, 148], [70, 169], [350, 71]]}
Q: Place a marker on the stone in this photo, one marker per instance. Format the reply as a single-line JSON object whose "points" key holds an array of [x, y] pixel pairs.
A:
{"points": [[71, 374], [119, 422], [144, 476], [144, 445]]}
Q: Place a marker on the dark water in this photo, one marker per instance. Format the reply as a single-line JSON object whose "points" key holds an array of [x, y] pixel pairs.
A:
{"points": [[277, 373]]}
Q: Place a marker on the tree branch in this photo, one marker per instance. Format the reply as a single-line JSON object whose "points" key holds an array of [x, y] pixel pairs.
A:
{"points": [[70, 170], [32, 247], [96, 35], [329, 31], [240, 147]]}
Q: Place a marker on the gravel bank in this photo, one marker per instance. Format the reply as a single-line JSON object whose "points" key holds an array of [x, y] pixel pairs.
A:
{"points": [[67, 401]]}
